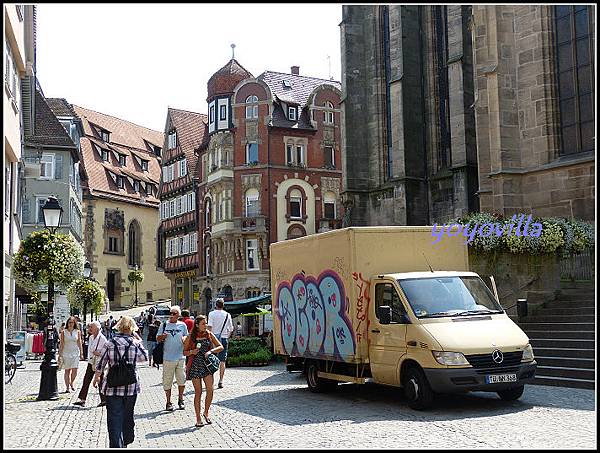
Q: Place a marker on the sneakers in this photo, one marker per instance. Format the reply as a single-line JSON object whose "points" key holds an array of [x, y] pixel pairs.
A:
{"points": [[181, 404], [79, 403], [170, 407], [220, 385]]}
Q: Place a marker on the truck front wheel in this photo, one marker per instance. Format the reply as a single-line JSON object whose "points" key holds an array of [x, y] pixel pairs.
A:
{"points": [[315, 383], [417, 389], [511, 394]]}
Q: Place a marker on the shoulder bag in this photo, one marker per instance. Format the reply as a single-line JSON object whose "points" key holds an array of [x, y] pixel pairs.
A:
{"points": [[159, 349], [122, 372]]}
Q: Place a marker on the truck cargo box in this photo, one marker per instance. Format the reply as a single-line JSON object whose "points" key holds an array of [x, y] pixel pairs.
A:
{"points": [[321, 284]]}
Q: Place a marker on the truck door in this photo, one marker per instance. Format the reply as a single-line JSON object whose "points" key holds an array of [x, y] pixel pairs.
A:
{"points": [[387, 342]]}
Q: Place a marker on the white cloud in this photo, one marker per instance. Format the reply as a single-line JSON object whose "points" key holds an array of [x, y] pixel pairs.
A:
{"points": [[134, 61]]}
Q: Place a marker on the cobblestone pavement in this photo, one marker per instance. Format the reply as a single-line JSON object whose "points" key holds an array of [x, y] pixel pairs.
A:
{"points": [[266, 407]]}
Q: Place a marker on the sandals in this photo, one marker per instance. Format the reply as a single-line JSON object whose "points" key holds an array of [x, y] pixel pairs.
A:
{"points": [[208, 420], [199, 425]]}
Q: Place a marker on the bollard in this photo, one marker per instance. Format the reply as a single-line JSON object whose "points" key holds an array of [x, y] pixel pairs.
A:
{"points": [[521, 308]]}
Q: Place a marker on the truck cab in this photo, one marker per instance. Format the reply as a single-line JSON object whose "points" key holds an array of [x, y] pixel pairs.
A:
{"points": [[444, 332]]}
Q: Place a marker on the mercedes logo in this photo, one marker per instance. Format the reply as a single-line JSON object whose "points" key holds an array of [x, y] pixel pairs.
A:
{"points": [[497, 356]]}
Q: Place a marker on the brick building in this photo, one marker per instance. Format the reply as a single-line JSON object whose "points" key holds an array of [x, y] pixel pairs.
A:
{"points": [[458, 108], [269, 169]]}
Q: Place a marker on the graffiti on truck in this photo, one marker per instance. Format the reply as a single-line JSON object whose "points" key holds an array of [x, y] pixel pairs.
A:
{"points": [[362, 305], [313, 317]]}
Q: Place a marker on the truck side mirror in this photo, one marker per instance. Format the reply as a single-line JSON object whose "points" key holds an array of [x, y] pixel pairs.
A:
{"points": [[384, 313]]}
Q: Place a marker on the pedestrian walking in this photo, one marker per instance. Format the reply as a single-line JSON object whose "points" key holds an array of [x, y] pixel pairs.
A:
{"points": [[219, 323], [151, 338], [70, 352], [189, 322], [95, 350], [199, 344], [173, 333], [238, 329], [120, 399]]}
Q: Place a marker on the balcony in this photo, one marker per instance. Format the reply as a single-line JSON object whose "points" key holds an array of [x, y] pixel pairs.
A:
{"points": [[256, 223], [329, 224], [220, 174]]}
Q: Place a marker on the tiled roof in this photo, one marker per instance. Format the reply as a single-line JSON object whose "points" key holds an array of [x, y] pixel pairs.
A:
{"points": [[48, 130], [301, 86], [125, 138], [60, 107], [225, 79], [122, 132], [192, 132]]}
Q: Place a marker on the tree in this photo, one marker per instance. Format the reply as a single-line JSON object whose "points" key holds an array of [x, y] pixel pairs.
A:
{"points": [[44, 256], [86, 293]]}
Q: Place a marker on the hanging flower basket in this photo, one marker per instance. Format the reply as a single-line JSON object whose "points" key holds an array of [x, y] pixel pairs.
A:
{"points": [[86, 294], [136, 276]]}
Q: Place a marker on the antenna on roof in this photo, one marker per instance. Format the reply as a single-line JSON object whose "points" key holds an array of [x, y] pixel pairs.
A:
{"points": [[430, 268], [232, 51]]}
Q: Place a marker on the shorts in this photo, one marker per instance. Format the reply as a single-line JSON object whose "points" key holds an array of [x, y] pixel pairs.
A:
{"points": [[223, 354], [173, 370]]}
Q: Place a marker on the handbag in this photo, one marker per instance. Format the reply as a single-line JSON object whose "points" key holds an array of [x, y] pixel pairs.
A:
{"points": [[212, 363], [159, 350], [122, 372]]}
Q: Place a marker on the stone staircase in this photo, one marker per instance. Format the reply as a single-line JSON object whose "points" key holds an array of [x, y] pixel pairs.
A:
{"points": [[561, 333]]}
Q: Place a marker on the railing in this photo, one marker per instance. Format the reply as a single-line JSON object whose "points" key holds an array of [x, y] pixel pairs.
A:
{"points": [[578, 267], [257, 223]]}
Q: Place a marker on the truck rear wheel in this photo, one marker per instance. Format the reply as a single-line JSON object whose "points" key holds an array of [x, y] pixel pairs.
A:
{"points": [[417, 389], [315, 383], [511, 394]]}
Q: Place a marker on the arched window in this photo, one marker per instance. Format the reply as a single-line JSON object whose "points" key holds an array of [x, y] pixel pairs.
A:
{"points": [[227, 292], [295, 204], [252, 109], [296, 231], [328, 114], [135, 248], [207, 217], [329, 211], [252, 203]]}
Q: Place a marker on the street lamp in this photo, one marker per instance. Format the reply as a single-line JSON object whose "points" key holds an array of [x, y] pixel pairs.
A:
{"points": [[87, 273], [48, 385], [136, 282]]}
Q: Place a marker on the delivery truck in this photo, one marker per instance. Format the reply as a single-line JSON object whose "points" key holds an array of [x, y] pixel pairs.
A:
{"points": [[387, 304]]}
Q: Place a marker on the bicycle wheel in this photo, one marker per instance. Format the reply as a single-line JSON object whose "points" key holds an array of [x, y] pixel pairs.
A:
{"points": [[10, 367]]}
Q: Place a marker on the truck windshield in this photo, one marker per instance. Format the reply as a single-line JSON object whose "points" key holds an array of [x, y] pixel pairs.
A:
{"points": [[449, 296]]}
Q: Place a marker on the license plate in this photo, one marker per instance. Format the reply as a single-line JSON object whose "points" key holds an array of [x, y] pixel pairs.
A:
{"points": [[497, 378]]}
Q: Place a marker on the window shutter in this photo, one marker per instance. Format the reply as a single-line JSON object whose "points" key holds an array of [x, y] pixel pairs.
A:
{"points": [[58, 163], [25, 210]]}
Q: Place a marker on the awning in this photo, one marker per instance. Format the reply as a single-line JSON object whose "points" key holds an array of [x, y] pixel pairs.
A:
{"points": [[237, 307], [261, 312]]}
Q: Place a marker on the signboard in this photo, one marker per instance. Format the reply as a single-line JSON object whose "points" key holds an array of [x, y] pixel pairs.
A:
{"points": [[62, 310], [185, 274]]}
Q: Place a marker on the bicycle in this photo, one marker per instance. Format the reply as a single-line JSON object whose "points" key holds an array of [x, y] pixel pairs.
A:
{"points": [[10, 361]]}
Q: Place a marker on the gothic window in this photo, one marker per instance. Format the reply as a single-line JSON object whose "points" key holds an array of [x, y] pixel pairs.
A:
{"points": [[575, 75], [134, 240]]}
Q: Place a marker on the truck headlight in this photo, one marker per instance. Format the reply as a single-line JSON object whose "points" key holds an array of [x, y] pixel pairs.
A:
{"points": [[527, 354], [450, 358]]}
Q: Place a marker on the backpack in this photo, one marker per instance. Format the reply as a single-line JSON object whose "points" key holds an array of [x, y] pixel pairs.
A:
{"points": [[122, 372]]}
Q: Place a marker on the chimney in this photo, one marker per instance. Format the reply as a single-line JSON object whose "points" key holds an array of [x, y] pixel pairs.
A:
{"points": [[296, 70]]}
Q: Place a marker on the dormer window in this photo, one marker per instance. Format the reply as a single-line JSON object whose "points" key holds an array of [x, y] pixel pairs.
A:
{"points": [[136, 186], [105, 135], [122, 160], [172, 140], [144, 165], [157, 150], [120, 182], [292, 113], [105, 155], [287, 84]]}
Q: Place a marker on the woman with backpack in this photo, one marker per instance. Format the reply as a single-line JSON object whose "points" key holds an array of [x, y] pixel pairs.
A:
{"points": [[122, 383]]}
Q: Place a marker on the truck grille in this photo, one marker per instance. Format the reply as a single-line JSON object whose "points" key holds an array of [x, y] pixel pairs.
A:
{"points": [[484, 364]]}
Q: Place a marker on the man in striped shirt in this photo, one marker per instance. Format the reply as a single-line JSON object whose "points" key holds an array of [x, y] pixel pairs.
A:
{"points": [[120, 401]]}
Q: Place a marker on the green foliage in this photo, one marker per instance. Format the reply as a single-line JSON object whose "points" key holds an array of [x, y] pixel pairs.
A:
{"points": [[558, 236], [135, 276], [43, 256], [86, 294], [247, 351]]}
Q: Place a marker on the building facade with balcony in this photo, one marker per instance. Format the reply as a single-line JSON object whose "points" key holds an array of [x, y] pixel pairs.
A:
{"points": [[185, 136], [271, 171], [120, 169], [19, 78]]}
